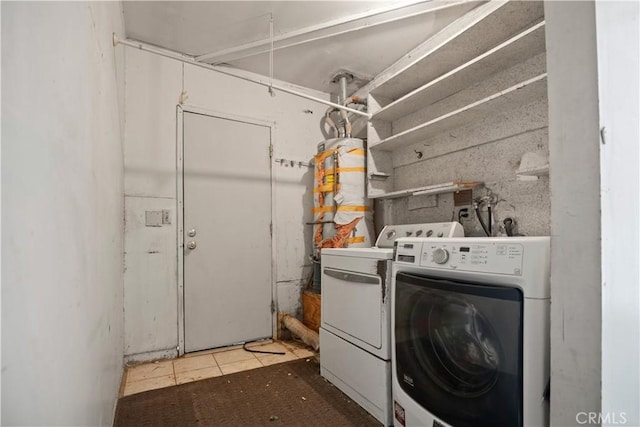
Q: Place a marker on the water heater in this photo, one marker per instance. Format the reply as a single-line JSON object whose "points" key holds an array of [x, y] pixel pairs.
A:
{"points": [[342, 212]]}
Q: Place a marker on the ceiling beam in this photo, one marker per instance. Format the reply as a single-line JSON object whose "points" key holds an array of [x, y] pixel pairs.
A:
{"points": [[264, 45], [432, 44]]}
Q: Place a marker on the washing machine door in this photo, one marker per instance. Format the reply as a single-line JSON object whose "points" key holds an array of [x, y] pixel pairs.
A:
{"points": [[459, 349]]}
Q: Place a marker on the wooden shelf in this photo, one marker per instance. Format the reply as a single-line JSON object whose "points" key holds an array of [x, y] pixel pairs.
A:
{"points": [[525, 45], [448, 187], [477, 32], [512, 97]]}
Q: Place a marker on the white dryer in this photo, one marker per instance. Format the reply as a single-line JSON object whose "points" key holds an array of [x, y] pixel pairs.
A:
{"points": [[355, 332], [470, 332]]}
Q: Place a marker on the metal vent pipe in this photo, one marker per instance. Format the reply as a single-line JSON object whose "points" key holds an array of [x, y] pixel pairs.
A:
{"points": [[343, 79]]}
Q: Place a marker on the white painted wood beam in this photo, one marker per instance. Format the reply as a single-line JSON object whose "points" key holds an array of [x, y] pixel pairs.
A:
{"points": [[305, 35], [448, 33]]}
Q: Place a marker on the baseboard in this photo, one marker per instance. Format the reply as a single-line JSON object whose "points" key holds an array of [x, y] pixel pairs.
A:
{"points": [[169, 353]]}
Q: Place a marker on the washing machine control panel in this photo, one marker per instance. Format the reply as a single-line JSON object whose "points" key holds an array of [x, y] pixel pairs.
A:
{"points": [[440, 256], [488, 257]]}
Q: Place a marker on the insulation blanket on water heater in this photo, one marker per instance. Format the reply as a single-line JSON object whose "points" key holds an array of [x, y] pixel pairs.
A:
{"points": [[350, 189], [340, 203]]}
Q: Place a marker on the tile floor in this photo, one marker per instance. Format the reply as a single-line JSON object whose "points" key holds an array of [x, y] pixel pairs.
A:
{"points": [[208, 364]]}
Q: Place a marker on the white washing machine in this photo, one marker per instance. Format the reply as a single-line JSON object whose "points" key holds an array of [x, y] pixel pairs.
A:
{"points": [[470, 332], [355, 332]]}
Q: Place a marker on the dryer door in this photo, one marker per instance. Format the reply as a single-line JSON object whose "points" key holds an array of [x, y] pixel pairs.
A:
{"points": [[352, 306], [459, 349]]}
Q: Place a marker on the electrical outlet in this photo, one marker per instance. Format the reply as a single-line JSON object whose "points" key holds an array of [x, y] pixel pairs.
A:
{"points": [[463, 213]]}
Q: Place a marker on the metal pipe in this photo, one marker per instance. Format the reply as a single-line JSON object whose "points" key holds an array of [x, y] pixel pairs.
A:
{"points": [[329, 121], [344, 79], [271, 57], [187, 59], [343, 89]]}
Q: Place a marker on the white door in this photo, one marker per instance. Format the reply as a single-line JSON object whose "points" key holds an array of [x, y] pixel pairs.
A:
{"points": [[227, 232]]}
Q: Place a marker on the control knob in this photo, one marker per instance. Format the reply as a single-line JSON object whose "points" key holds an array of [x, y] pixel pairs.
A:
{"points": [[440, 256]]}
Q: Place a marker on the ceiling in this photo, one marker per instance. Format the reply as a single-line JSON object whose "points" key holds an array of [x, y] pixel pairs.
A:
{"points": [[312, 40]]}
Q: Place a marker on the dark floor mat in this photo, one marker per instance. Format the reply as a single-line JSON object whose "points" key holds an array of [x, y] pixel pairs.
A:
{"points": [[292, 394]]}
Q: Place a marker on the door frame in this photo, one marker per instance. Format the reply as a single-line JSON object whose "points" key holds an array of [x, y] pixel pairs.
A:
{"points": [[180, 110]]}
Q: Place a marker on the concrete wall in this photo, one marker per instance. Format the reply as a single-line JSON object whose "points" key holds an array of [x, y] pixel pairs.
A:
{"points": [[62, 213], [488, 150], [574, 146], [153, 89]]}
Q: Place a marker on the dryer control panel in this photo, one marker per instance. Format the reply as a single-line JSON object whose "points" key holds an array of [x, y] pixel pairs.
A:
{"points": [[484, 256], [390, 233]]}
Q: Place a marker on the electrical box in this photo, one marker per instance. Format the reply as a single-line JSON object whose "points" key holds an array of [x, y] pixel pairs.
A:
{"points": [[153, 218]]}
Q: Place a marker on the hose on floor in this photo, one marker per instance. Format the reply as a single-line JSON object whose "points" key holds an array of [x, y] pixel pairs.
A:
{"points": [[244, 346]]}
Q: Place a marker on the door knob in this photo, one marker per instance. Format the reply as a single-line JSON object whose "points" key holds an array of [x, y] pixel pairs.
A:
{"points": [[191, 245], [192, 232]]}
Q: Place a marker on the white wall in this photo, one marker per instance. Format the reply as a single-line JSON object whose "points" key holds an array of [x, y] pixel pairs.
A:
{"points": [[62, 213], [618, 35], [153, 89], [574, 148]]}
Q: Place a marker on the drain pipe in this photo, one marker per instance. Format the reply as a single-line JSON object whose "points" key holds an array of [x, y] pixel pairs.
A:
{"points": [[307, 335]]}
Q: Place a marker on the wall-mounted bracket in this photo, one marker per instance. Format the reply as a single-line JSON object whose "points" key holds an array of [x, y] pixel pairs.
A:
{"points": [[532, 166], [378, 176], [292, 163]]}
